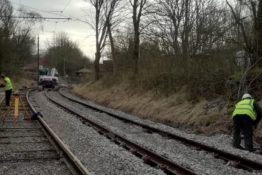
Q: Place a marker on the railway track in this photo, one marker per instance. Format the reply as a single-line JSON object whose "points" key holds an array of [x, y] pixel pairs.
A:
{"points": [[229, 158], [149, 157], [30, 146]]}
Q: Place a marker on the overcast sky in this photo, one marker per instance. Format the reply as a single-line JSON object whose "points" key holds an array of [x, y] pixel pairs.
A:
{"points": [[79, 32]]}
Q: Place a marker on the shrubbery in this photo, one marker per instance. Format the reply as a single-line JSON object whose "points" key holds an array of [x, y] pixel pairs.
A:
{"points": [[205, 75]]}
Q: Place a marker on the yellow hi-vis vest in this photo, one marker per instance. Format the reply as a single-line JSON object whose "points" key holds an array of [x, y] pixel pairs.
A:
{"points": [[245, 107], [8, 84]]}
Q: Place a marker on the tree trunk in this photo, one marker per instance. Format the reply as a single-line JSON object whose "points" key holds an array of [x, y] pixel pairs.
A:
{"points": [[197, 44], [259, 28], [186, 31], [185, 40], [112, 44], [136, 50], [175, 41], [136, 21], [98, 50], [97, 66]]}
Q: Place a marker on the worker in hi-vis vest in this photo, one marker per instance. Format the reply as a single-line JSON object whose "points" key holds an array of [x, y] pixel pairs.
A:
{"points": [[246, 117], [8, 89]]}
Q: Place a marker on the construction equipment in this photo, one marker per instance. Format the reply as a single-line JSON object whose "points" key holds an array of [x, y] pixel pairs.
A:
{"points": [[48, 78]]}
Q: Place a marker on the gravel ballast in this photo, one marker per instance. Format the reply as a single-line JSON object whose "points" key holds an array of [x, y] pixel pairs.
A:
{"points": [[219, 141], [200, 161], [34, 168], [96, 152]]}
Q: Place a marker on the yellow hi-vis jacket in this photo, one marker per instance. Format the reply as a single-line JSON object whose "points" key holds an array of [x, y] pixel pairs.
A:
{"points": [[245, 107], [8, 84]]}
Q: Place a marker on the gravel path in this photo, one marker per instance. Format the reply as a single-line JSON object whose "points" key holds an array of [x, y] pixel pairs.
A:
{"points": [[197, 160], [96, 152]]}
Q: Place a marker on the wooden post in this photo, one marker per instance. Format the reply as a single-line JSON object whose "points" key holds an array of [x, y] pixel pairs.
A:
{"points": [[16, 111]]}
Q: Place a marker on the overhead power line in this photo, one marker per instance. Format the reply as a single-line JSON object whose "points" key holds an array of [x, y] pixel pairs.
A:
{"points": [[53, 12], [68, 3], [59, 14], [35, 17]]}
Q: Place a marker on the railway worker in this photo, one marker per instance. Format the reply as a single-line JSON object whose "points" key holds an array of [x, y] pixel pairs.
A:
{"points": [[8, 89], [246, 116]]}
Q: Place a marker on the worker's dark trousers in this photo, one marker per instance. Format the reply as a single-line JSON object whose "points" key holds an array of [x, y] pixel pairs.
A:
{"points": [[8, 94], [243, 124]]}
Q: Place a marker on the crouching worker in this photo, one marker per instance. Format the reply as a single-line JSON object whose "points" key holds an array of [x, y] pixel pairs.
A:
{"points": [[246, 115], [8, 89]]}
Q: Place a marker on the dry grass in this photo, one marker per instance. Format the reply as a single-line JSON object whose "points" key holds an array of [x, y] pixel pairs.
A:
{"points": [[22, 82], [173, 110]]}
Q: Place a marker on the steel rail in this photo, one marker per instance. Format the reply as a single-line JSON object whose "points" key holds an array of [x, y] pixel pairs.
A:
{"points": [[74, 161], [149, 157], [239, 162]]}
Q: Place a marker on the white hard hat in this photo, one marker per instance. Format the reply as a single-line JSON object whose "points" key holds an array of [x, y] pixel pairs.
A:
{"points": [[246, 95]]}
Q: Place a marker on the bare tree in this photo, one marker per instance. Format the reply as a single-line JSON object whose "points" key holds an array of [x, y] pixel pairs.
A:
{"points": [[137, 11], [252, 43], [186, 29], [104, 10], [258, 28], [6, 21], [169, 21], [113, 20], [190, 27], [65, 55], [238, 19], [16, 41], [100, 30]]}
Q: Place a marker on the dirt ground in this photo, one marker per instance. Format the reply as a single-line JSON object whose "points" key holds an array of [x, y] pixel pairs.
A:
{"points": [[20, 83]]}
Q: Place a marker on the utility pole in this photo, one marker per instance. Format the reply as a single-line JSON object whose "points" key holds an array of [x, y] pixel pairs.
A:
{"points": [[64, 67], [38, 59]]}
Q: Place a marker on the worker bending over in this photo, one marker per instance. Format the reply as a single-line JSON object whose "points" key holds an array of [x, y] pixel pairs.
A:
{"points": [[246, 115], [8, 89]]}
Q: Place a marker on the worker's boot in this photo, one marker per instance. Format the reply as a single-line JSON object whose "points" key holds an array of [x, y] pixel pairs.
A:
{"points": [[238, 147], [248, 138]]}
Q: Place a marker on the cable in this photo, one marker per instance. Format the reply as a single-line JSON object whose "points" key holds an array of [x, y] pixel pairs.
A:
{"points": [[41, 10], [55, 25], [32, 17], [68, 3], [50, 12]]}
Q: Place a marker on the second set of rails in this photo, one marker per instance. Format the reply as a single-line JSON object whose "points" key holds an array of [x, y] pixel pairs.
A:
{"points": [[149, 156]]}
